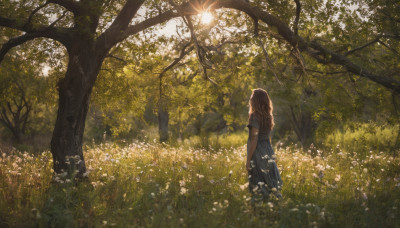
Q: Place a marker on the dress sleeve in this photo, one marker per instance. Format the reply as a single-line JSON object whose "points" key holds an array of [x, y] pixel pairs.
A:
{"points": [[253, 122]]}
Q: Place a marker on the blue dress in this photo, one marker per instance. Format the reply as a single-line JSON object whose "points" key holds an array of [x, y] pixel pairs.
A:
{"points": [[264, 177]]}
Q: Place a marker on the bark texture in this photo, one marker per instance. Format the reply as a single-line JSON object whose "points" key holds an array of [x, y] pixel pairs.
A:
{"points": [[74, 95]]}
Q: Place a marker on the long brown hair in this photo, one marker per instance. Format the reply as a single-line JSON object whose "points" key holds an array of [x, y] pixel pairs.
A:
{"points": [[261, 105]]}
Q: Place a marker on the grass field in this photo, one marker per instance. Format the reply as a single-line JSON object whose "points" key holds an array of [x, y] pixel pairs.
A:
{"points": [[154, 185]]}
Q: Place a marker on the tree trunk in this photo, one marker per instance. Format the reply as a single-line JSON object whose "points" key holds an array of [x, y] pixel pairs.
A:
{"points": [[304, 127], [163, 119], [74, 95]]}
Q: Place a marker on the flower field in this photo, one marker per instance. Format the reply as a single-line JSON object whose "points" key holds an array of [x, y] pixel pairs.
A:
{"points": [[154, 185]]}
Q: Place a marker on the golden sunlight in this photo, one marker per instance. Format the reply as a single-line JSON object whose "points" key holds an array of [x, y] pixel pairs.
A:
{"points": [[206, 17]]}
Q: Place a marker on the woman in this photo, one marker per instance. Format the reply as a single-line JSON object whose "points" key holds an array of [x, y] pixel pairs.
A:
{"points": [[264, 177]]}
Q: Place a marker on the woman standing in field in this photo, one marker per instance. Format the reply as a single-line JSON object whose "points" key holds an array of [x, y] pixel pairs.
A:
{"points": [[263, 172]]}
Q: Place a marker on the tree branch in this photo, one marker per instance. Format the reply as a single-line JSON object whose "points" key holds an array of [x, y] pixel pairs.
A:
{"points": [[363, 46], [125, 16], [13, 42], [177, 60], [314, 49], [119, 29], [115, 57], [296, 20], [49, 32], [70, 5], [57, 33], [57, 20], [321, 72], [35, 11], [4, 119], [388, 47], [268, 59]]}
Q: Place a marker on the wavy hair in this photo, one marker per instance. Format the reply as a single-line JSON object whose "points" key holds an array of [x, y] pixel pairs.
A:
{"points": [[261, 105]]}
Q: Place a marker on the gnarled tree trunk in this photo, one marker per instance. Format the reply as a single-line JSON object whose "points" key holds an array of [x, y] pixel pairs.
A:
{"points": [[74, 95]]}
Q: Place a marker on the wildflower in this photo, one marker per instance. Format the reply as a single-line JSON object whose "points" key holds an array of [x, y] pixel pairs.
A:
{"points": [[294, 209], [152, 194], [85, 174], [255, 189], [183, 190], [184, 166], [230, 173], [199, 176], [337, 178], [365, 170], [320, 167], [243, 187], [271, 205], [364, 196]]}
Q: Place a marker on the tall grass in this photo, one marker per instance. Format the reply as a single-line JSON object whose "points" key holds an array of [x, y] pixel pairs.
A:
{"points": [[216, 141], [361, 138], [153, 185]]}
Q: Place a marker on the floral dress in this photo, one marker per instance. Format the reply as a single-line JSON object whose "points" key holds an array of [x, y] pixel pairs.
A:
{"points": [[264, 175]]}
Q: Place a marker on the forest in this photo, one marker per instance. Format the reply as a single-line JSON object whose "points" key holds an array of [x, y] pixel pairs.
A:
{"points": [[134, 113]]}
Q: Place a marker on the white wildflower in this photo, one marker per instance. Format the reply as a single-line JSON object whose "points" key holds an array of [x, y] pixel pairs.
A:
{"points": [[183, 190], [243, 187]]}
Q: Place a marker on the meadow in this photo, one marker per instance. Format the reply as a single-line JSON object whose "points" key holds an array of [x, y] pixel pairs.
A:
{"points": [[156, 185]]}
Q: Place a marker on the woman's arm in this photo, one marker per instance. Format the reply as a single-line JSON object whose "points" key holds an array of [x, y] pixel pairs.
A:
{"points": [[252, 146]]}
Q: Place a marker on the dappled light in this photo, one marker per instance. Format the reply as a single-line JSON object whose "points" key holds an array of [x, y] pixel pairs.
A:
{"points": [[199, 113]]}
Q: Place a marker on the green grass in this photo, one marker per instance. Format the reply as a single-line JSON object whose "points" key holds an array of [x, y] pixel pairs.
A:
{"points": [[360, 138], [151, 185]]}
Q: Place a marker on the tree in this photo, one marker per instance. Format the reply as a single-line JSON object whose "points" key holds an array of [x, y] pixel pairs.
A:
{"points": [[15, 105], [22, 96], [90, 29]]}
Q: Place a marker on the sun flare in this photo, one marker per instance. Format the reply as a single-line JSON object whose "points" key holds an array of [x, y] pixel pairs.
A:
{"points": [[206, 17]]}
